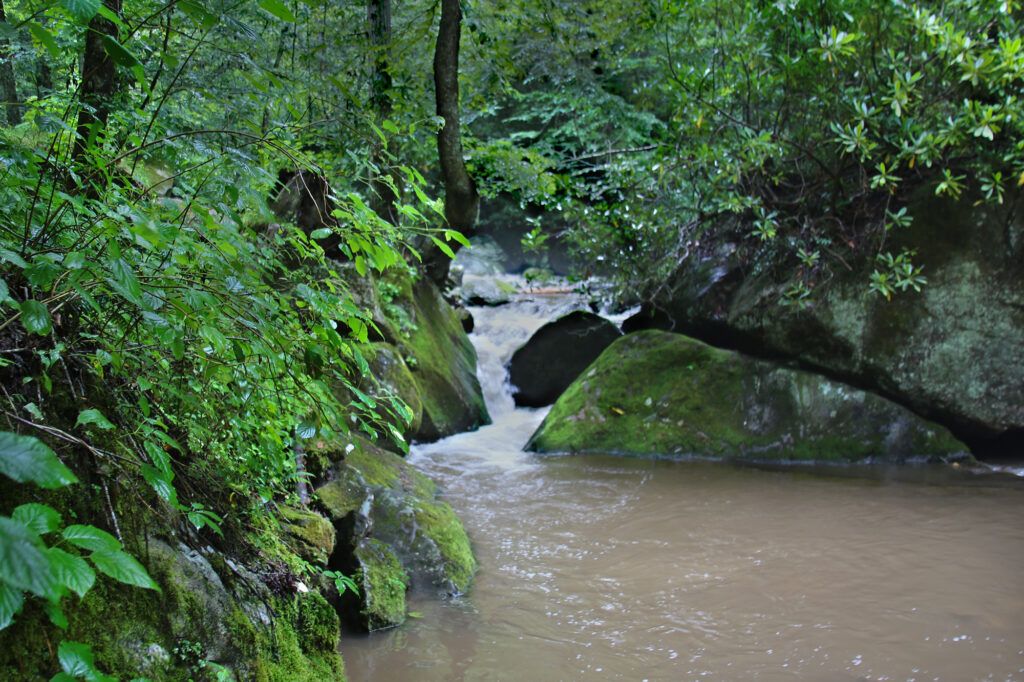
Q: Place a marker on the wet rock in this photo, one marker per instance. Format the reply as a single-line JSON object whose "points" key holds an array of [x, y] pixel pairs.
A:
{"points": [[485, 291], [950, 352], [658, 393], [556, 354], [308, 534], [399, 533], [395, 379]]}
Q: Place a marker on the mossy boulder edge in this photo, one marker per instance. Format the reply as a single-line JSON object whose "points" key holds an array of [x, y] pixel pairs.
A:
{"points": [[658, 393]]}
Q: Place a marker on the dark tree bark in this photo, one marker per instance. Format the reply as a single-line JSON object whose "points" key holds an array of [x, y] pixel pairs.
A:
{"points": [[8, 85], [99, 80], [383, 195], [461, 201]]}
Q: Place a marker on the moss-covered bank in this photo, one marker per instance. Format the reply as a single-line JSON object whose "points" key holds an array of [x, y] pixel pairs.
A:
{"points": [[657, 393], [401, 534]]}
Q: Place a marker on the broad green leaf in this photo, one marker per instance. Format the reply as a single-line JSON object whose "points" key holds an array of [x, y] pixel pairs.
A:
{"points": [[91, 538], [77, 660], [56, 614], [11, 599], [35, 317], [160, 483], [5, 293], [44, 38], [278, 9], [71, 571], [118, 52], [93, 416], [25, 459], [457, 236], [125, 282], [123, 568], [25, 564], [81, 10], [321, 233], [198, 13], [41, 518]]}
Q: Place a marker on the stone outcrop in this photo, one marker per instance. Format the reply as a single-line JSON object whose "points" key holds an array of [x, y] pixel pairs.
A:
{"points": [[556, 354], [663, 394], [952, 352], [397, 532]]}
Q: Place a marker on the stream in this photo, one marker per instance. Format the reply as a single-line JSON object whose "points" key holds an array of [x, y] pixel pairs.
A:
{"points": [[611, 568]]}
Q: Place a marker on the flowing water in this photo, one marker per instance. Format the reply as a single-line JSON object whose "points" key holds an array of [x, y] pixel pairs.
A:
{"points": [[622, 569]]}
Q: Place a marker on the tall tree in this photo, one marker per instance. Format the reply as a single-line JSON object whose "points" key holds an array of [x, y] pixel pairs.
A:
{"points": [[461, 200], [99, 78], [384, 197], [8, 86]]}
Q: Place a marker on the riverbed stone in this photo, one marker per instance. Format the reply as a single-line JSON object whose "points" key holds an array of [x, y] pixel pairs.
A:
{"points": [[556, 354], [659, 393], [373, 494]]}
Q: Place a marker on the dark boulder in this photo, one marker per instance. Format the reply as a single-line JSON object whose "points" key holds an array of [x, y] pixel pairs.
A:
{"points": [[556, 354]]}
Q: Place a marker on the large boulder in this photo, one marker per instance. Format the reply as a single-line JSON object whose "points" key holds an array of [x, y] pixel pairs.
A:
{"points": [[658, 393], [556, 354], [398, 532], [951, 352]]}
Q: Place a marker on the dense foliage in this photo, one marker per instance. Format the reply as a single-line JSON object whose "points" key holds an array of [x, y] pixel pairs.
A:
{"points": [[161, 324]]}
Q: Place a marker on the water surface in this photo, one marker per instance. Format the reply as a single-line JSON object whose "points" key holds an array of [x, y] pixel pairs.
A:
{"points": [[621, 569]]}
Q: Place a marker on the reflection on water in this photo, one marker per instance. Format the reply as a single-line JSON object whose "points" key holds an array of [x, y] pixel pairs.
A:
{"points": [[621, 569]]}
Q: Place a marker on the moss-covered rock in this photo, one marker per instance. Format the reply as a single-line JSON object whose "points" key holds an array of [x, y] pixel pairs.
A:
{"points": [[657, 393], [199, 620], [307, 534], [393, 376], [376, 495], [950, 352], [441, 359], [382, 582]]}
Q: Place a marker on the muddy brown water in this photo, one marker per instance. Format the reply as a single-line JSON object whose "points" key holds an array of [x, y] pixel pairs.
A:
{"points": [[608, 568]]}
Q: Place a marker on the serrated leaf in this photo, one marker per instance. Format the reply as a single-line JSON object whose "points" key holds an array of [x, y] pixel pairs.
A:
{"points": [[71, 571], [28, 459], [11, 600], [81, 10], [278, 9], [35, 317], [91, 538], [25, 565], [123, 568], [95, 417], [40, 518]]}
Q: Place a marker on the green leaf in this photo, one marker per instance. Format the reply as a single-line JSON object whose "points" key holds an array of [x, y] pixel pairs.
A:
{"points": [[71, 571], [125, 282], [81, 10], [77, 660], [25, 458], [25, 565], [445, 249], [93, 416], [321, 233], [160, 483], [123, 568], [41, 518], [35, 317], [278, 9], [11, 600], [91, 538], [56, 614], [118, 52], [44, 38]]}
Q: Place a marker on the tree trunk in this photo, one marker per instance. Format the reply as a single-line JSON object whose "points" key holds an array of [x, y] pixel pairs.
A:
{"points": [[99, 81], [461, 202], [8, 85], [383, 195]]}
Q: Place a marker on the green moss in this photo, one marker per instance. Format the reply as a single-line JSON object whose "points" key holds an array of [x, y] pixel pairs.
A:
{"points": [[383, 582], [284, 654], [389, 367], [308, 534], [655, 393], [438, 522]]}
